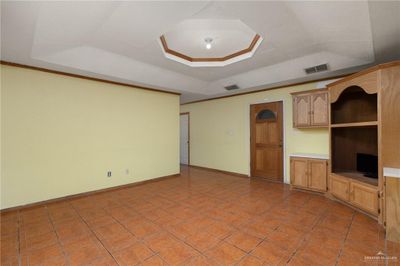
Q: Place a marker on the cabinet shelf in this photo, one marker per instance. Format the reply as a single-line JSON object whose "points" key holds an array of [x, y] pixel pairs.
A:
{"points": [[355, 124], [354, 175]]}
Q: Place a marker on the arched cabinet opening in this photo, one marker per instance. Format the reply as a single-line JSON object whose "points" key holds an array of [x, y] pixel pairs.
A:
{"points": [[354, 105]]}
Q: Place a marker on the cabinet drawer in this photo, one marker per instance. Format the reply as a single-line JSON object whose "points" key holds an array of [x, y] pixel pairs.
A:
{"points": [[339, 187]]}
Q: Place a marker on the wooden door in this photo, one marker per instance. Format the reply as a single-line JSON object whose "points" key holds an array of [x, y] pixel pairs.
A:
{"points": [[365, 197], [302, 110], [299, 172], [317, 174], [339, 187], [319, 109], [266, 139]]}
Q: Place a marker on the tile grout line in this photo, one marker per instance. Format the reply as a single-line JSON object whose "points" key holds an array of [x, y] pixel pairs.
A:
{"points": [[139, 240], [58, 238], [303, 240], [275, 229], [94, 234], [344, 240]]}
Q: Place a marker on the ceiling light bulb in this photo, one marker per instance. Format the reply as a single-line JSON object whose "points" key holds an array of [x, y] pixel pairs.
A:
{"points": [[208, 42]]}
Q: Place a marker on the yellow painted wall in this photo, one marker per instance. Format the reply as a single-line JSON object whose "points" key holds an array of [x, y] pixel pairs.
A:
{"points": [[220, 131], [60, 135]]}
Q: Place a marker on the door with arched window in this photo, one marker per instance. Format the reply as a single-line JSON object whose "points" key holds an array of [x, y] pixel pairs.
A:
{"points": [[266, 130]]}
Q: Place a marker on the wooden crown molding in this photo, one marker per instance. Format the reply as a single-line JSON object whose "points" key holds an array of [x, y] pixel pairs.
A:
{"points": [[208, 59], [86, 77]]}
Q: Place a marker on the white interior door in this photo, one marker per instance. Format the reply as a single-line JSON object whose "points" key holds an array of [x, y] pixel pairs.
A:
{"points": [[184, 138]]}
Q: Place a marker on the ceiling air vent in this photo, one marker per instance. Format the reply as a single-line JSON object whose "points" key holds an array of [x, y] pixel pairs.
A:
{"points": [[316, 69], [232, 87]]}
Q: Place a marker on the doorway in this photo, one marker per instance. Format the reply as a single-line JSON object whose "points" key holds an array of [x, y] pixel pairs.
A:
{"points": [[266, 140], [184, 138]]}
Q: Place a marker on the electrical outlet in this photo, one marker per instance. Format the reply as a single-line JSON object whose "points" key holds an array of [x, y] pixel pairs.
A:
{"points": [[127, 172], [109, 174]]}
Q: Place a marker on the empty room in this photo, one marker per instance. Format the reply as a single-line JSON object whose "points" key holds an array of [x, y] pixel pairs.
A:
{"points": [[200, 133]]}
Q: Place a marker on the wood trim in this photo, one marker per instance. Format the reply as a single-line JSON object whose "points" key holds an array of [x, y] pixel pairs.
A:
{"points": [[355, 124], [266, 89], [85, 194], [369, 83], [308, 91], [6, 63], [219, 171], [392, 209], [208, 59], [188, 114], [366, 71]]}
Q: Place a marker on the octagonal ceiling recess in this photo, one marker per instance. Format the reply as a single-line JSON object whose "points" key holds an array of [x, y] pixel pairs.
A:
{"points": [[229, 41]]}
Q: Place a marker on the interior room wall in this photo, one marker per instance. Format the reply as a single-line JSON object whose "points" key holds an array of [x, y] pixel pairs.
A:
{"points": [[60, 135], [220, 131]]}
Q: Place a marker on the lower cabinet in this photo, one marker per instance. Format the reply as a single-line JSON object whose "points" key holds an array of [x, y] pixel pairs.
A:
{"points": [[307, 173], [340, 187], [358, 194], [365, 197]]}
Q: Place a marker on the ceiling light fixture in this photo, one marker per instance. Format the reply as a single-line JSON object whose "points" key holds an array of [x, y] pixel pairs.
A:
{"points": [[208, 42]]}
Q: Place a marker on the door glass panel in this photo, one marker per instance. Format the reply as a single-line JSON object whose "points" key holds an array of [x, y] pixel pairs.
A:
{"points": [[266, 115]]}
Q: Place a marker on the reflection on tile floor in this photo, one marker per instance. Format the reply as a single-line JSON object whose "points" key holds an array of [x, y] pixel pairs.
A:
{"points": [[199, 218]]}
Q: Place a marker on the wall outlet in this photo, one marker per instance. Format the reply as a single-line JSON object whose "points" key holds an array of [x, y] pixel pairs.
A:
{"points": [[109, 174], [127, 172]]}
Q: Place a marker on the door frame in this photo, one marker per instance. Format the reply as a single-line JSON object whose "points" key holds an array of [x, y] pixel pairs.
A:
{"points": [[284, 172], [188, 114]]}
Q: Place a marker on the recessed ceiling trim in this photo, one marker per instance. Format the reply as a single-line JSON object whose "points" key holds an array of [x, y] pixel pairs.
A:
{"points": [[211, 61]]}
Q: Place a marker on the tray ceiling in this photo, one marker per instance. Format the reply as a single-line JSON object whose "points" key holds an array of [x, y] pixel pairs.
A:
{"points": [[228, 40], [120, 40]]}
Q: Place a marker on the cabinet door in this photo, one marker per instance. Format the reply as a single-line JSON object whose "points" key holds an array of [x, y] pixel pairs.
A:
{"points": [[339, 187], [365, 197], [319, 109], [298, 172], [301, 110], [317, 176]]}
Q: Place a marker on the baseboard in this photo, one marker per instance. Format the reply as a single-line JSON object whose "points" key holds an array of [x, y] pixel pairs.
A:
{"points": [[219, 171], [85, 194]]}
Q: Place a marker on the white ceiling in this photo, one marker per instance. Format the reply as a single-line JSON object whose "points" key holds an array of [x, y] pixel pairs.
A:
{"points": [[120, 40], [228, 35]]}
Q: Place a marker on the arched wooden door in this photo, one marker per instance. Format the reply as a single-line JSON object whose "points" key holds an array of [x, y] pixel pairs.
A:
{"points": [[266, 140]]}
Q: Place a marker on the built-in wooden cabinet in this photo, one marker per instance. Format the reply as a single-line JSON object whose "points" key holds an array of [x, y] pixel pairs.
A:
{"points": [[364, 196], [392, 188], [360, 105], [339, 187], [317, 174], [308, 173], [299, 172], [358, 194], [310, 109]]}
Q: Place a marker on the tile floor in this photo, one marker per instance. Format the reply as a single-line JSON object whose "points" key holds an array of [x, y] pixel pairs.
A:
{"points": [[199, 218]]}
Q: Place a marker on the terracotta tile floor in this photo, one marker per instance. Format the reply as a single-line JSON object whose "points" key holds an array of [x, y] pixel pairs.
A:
{"points": [[199, 218]]}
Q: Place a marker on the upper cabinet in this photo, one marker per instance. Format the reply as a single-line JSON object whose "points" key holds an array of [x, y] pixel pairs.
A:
{"points": [[310, 109]]}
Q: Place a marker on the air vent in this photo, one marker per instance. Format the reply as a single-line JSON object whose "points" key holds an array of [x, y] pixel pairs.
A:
{"points": [[316, 69], [232, 87]]}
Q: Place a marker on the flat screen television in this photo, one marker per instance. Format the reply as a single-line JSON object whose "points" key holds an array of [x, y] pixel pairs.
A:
{"points": [[367, 164]]}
